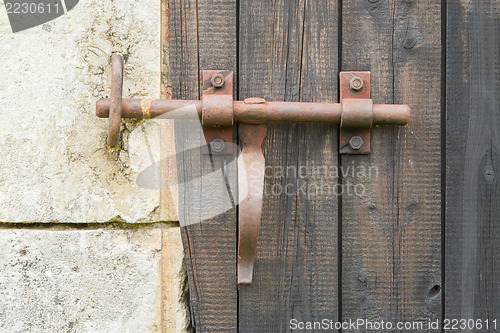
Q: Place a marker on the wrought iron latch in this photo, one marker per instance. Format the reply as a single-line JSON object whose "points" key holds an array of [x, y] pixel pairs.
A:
{"points": [[217, 111]]}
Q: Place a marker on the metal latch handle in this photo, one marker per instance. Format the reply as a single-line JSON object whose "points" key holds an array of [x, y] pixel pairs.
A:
{"points": [[356, 111], [383, 114]]}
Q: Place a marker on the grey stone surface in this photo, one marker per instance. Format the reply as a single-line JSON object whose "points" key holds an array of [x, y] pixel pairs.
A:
{"points": [[80, 280], [55, 165], [175, 285]]}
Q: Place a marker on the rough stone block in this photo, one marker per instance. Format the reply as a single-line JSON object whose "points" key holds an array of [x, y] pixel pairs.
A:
{"points": [[68, 280], [175, 284], [55, 164]]}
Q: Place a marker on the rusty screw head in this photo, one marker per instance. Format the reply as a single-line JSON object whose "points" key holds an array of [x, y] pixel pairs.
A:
{"points": [[217, 145], [218, 80], [356, 142], [356, 83]]}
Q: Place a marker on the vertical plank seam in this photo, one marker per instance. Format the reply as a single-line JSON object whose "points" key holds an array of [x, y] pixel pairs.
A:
{"points": [[163, 37], [295, 201], [339, 178], [198, 48], [444, 42], [298, 136], [396, 246], [237, 208], [163, 327], [237, 76], [302, 50], [287, 48], [193, 260]]}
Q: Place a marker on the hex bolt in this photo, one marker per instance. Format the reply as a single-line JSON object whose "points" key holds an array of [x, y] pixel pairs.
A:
{"points": [[218, 80], [356, 83], [217, 145], [356, 142]]}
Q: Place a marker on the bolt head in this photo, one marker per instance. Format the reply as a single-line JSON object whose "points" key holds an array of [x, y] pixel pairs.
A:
{"points": [[218, 80], [356, 83], [409, 42], [356, 142], [217, 145]]}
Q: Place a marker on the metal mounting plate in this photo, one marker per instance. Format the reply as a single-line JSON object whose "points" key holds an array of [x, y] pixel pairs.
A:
{"points": [[221, 133], [347, 134]]}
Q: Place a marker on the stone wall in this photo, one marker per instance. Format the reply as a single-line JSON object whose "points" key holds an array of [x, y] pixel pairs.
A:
{"points": [[83, 246], [55, 164]]}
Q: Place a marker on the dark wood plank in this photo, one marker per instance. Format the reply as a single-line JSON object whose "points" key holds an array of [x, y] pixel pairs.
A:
{"points": [[202, 37], [472, 287], [288, 52], [391, 236], [183, 55]]}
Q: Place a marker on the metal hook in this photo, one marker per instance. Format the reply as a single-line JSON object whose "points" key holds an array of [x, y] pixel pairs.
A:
{"points": [[251, 168], [115, 109]]}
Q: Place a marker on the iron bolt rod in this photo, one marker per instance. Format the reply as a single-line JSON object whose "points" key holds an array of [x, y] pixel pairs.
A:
{"points": [[383, 114]]}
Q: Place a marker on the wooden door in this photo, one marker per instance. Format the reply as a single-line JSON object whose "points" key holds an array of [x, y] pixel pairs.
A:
{"points": [[380, 255]]}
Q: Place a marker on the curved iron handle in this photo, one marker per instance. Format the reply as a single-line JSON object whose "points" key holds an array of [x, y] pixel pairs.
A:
{"points": [[251, 168], [115, 109]]}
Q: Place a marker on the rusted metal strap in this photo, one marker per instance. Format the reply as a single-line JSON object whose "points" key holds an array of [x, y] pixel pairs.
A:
{"points": [[217, 112], [251, 168], [357, 115]]}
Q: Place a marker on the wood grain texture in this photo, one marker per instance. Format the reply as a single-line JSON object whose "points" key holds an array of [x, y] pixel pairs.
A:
{"points": [[169, 195], [391, 236], [203, 36], [472, 285], [288, 52]]}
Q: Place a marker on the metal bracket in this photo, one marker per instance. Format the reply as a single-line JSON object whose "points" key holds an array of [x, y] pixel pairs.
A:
{"points": [[217, 112], [357, 117]]}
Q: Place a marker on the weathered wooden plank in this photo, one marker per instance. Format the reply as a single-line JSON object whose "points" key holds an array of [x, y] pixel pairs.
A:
{"points": [[472, 275], [288, 52], [203, 36], [168, 192], [183, 55], [391, 236]]}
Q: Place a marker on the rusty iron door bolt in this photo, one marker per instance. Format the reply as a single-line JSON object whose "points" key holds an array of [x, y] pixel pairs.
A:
{"points": [[217, 111]]}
